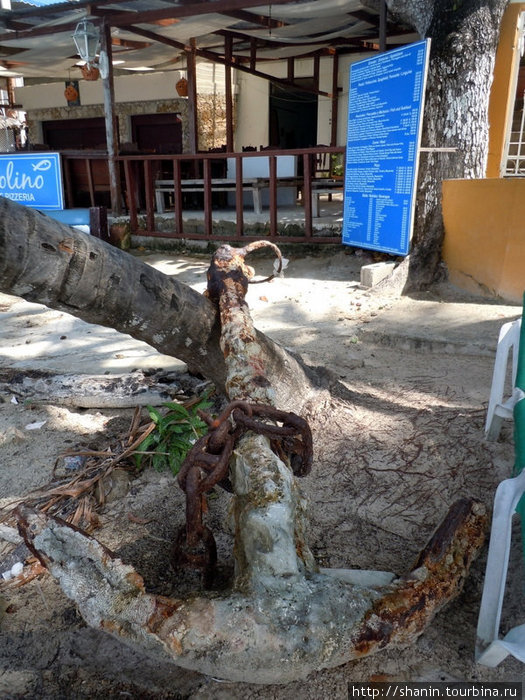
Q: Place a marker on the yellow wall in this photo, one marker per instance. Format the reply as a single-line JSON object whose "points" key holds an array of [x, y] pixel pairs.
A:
{"points": [[484, 246], [503, 87]]}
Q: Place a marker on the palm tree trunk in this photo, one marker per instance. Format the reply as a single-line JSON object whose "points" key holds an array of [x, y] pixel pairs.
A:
{"points": [[46, 262]]}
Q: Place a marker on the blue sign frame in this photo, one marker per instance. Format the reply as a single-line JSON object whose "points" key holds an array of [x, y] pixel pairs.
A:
{"points": [[32, 179], [385, 115]]}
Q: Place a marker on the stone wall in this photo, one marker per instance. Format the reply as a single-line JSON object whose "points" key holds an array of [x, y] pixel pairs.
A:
{"points": [[211, 110], [124, 110], [211, 113]]}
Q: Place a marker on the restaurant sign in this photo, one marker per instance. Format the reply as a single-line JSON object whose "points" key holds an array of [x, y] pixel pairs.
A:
{"points": [[33, 179], [384, 129]]}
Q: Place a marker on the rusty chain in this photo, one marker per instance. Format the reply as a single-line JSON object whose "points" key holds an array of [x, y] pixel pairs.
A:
{"points": [[207, 463]]}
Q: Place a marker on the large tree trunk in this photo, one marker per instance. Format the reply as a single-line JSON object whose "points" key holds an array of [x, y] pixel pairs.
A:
{"points": [[464, 38], [44, 261]]}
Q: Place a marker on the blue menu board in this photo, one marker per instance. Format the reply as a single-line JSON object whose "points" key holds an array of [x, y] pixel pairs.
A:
{"points": [[385, 114], [33, 179]]}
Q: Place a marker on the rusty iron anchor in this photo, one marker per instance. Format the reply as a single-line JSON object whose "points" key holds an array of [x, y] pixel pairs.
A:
{"points": [[283, 617]]}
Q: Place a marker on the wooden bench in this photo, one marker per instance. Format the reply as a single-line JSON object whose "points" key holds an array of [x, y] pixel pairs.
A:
{"points": [[217, 185], [323, 185]]}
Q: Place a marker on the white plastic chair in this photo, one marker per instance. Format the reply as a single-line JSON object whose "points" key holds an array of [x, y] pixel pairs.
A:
{"points": [[508, 341], [490, 649]]}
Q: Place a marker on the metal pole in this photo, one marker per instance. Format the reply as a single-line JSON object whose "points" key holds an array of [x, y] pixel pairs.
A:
{"points": [[229, 93], [382, 25], [192, 98]]}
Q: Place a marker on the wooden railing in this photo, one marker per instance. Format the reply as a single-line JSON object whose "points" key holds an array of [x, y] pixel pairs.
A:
{"points": [[86, 178], [208, 177]]}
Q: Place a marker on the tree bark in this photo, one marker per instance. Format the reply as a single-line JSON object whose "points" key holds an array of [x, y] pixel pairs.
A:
{"points": [[464, 38], [46, 262]]}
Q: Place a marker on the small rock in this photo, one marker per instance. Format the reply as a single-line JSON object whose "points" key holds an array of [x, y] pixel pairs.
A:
{"points": [[17, 569], [12, 435], [74, 462], [115, 486], [36, 425]]}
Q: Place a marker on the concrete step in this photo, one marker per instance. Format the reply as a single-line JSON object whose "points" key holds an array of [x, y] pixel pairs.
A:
{"points": [[444, 327]]}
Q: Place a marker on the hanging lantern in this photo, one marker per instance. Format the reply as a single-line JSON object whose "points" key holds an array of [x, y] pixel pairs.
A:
{"points": [[90, 72], [87, 40], [181, 86]]}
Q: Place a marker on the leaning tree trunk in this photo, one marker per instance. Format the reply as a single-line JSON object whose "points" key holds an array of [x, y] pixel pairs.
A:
{"points": [[46, 262], [464, 38]]}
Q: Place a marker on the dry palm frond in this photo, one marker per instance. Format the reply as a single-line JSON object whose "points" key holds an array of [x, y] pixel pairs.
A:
{"points": [[76, 498]]}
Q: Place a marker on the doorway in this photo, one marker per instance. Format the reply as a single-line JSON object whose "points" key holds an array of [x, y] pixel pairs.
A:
{"points": [[75, 134], [293, 116], [157, 133]]}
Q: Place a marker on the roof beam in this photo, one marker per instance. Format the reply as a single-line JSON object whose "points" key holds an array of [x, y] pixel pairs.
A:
{"points": [[216, 58], [191, 9], [38, 31], [273, 42], [262, 20]]}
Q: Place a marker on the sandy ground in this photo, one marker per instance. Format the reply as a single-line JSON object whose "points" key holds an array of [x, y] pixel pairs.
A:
{"points": [[410, 442]]}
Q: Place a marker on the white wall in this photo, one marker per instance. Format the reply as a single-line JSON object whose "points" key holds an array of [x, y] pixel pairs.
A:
{"points": [[252, 124], [128, 88], [252, 115], [253, 100]]}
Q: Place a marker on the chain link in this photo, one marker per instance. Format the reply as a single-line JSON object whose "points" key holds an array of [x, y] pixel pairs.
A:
{"points": [[207, 463]]}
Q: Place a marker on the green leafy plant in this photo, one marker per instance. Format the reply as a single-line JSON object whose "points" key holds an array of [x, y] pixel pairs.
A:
{"points": [[336, 165], [175, 432]]}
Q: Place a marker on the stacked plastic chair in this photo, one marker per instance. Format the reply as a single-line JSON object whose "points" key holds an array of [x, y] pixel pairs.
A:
{"points": [[509, 499], [500, 407]]}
